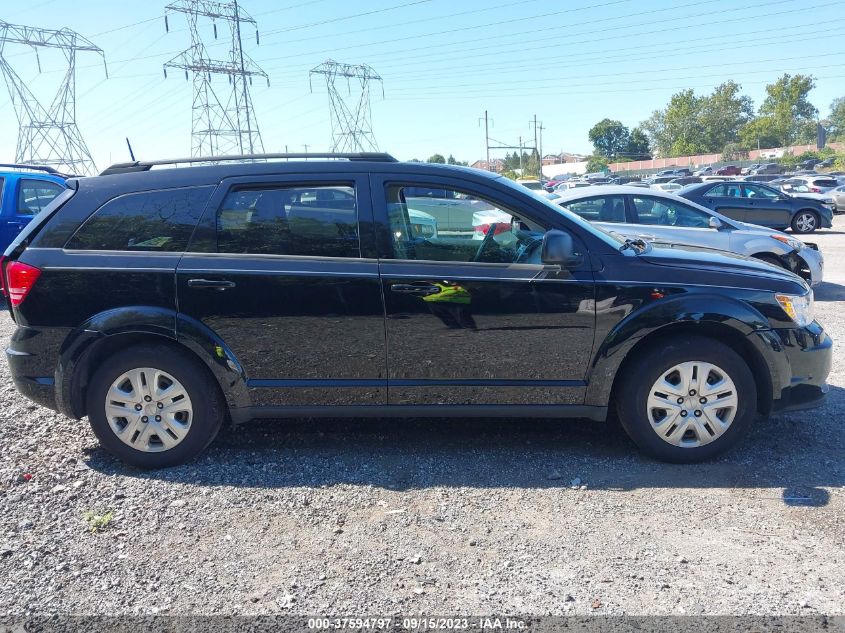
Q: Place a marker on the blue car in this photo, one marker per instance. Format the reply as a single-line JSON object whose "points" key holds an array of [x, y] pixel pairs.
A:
{"points": [[26, 190]]}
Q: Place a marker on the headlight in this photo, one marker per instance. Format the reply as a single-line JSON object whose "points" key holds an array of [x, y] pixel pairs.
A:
{"points": [[799, 308], [829, 202], [794, 244]]}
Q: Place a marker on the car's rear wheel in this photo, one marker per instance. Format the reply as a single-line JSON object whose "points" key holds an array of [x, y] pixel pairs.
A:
{"points": [[688, 400], [805, 222], [153, 406]]}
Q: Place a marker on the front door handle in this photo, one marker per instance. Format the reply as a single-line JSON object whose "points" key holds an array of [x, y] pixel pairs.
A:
{"points": [[213, 284], [412, 289]]}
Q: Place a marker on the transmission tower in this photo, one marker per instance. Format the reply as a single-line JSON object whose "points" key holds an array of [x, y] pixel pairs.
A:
{"points": [[223, 121], [48, 136], [352, 126]]}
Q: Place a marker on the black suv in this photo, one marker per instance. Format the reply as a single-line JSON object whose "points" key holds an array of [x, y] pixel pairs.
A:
{"points": [[161, 302]]}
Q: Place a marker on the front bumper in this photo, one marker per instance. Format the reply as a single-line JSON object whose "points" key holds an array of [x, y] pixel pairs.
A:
{"points": [[809, 264], [800, 366]]}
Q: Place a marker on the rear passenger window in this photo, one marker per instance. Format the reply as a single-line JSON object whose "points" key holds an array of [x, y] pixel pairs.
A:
{"points": [[301, 220], [146, 221], [605, 209]]}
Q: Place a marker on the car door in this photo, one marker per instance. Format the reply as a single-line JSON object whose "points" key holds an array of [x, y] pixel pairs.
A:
{"points": [[767, 206], [726, 198], [668, 220], [283, 270], [474, 318]]}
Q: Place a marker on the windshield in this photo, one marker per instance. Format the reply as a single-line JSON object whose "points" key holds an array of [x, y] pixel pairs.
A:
{"points": [[611, 239]]}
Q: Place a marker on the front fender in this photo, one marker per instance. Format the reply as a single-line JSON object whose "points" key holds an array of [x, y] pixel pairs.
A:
{"points": [[687, 310]]}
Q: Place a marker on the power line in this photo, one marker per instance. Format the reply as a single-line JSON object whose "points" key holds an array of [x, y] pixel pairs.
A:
{"points": [[347, 17]]}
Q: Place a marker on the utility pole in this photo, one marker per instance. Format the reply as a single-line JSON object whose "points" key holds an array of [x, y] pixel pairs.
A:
{"points": [[48, 136], [306, 146], [521, 173], [537, 146], [486, 139], [223, 121], [352, 125], [542, 127]]}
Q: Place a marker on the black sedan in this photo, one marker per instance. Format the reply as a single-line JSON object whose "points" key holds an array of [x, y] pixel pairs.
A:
{"points": [[756, 203]]}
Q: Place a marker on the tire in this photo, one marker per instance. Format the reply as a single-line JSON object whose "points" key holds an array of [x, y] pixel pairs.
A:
{"points": [[641, 419], [805, 221], [772, 259], [190, 421]]}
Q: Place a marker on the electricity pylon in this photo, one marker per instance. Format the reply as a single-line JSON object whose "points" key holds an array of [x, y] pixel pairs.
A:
{"points": [[48, 136], [223, 121], [351, 120]]}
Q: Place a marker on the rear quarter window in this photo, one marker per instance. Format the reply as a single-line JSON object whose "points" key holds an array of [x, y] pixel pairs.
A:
{"points": [[146, 221]]}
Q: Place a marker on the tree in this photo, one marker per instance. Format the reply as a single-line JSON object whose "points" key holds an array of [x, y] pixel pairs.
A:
{"points": [[596, 163], [789, 109], [610, 138], [437, 158], [836, 120], [722, 115], [761, 132], [692, 124], [638, 145]]}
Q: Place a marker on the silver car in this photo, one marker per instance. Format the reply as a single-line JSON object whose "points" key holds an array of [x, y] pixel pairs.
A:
{"points": [[663, 217], [838, 196]]}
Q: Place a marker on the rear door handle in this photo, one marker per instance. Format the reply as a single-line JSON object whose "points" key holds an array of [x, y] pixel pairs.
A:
{"points": [[213, 284], [412, 289]]}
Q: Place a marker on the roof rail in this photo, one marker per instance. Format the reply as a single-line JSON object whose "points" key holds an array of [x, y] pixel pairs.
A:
{"points": [[45, 168], [146, 165]]}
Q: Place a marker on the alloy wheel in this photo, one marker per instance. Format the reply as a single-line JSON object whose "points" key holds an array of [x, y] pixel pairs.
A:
{"points": [[806, 222]]}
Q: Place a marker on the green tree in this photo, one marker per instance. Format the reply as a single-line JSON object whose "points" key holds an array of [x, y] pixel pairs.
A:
{"points": [[596, 163], [722, 115], [788, 107], [437, 158], [836, 120], [609, 138], [638, 145], [760, 132]]}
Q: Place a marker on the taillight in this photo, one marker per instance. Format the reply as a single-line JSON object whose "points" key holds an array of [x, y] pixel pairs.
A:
{"points": [[815, 190], [20, 278], [3, 276], [498, 227]]}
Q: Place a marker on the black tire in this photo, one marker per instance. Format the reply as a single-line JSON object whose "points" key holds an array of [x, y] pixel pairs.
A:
{"points": [[772, 259], [208, 408], [810, 216], [633, 394]]}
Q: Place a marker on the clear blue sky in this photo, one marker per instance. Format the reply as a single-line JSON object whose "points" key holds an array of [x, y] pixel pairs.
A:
{"points": [[571, 62]]}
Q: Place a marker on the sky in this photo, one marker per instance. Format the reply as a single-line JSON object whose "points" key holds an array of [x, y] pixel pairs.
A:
{"points": [[442, 62]]}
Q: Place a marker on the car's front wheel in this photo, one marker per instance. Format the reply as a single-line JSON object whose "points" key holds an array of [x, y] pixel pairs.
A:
{"points": [[805, 222], [153, 406], [687, 400]]}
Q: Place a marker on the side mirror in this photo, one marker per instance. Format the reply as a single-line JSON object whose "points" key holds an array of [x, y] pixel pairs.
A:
{"points": [[715, 223], [559, 248]]}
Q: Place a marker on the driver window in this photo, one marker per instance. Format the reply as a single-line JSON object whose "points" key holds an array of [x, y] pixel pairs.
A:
{"points": [[436, 224], [666, 212]]}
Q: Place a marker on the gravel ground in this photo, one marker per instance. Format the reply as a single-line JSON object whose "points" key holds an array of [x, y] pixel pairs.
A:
{"points": [[434, 517]]}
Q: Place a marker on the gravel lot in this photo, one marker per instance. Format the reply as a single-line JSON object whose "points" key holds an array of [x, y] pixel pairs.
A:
{"points": [[438, 517]]}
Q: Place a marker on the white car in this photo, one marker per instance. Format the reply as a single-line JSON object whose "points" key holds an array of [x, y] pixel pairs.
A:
{"points": [[656, 216], [809, 184], [666, 186]]}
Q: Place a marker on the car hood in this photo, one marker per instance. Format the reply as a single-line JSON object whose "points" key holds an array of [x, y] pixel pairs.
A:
{"points": [[699, 258], [818, 197]]}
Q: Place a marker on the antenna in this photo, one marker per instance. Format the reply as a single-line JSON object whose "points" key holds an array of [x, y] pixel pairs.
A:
{"points": [[352, 126], [224, 120], [48, 136]]}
